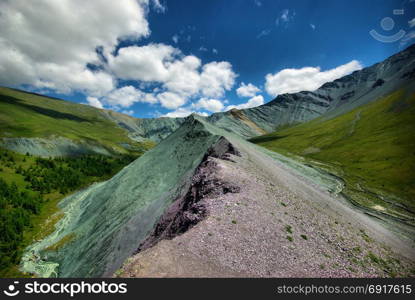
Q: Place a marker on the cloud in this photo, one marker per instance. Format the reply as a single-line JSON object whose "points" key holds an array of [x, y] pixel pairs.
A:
{"points": [[34, 52], [211, 105], [284, 17], [216, 78], [146, 63], [93, 101], [258, 3], [171, 100], [123, 97], [305, 79], [128, 112], [203, 48], [313, 26], [183, 112], [175, 38], [263, 33], [247, 90], [407, 38], [253, 102], [80, 53], [411, 23], [181, 76], [158, 7], [215, 51]]}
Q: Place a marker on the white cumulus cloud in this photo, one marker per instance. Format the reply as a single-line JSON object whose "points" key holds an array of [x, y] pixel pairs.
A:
{"points": [[216, 78], [247, 90], [171, 100], [48, 45], [93, 101], [212, 105], [305, 79], [183, 112], [69, 46], [128, 112], [125, 97], [253, 102], [181, 77], [146, 63]]}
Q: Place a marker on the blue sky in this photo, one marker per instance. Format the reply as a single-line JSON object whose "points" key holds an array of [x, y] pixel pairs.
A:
{"points": [[180, 44]]}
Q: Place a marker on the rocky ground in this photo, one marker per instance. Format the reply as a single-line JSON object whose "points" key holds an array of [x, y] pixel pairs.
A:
{"points": [[276, 225]]}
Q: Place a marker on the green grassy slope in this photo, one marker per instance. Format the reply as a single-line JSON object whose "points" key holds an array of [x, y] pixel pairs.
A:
{"points": [[29, 115], [31, 187], [372, 148]]}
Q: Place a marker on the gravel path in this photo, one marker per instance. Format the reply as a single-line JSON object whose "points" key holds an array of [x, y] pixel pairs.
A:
{"points": [[278, 225]]}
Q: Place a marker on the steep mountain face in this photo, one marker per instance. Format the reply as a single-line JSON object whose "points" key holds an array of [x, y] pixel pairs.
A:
{"points": [[332, 99], [105, 223], [144, 129]]}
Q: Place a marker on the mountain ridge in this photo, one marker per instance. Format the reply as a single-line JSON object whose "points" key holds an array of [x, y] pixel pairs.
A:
{"points": [[331, 99]]}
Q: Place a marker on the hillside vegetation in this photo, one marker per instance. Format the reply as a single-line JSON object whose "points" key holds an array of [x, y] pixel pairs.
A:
{"points": [[30, 115], [30, 188], [372, 148]]}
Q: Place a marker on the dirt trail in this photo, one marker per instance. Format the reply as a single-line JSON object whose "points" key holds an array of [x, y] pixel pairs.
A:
{"points": [[277, 225]]}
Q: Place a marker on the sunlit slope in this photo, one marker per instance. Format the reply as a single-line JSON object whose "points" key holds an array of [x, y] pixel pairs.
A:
{"points": [[31, 116], [372, 148]]}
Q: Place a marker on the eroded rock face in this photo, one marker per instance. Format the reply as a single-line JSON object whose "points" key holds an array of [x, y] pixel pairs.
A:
{"points": [[188, 210], [109, 220], [276, 224]]}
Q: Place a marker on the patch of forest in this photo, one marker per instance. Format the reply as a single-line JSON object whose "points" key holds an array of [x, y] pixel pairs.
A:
{"points": [[29, 185]]}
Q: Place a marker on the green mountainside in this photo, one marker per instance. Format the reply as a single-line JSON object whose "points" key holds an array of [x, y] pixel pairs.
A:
{"points": [[370, 148], [84, 147], [37, 124], [31, 187]]}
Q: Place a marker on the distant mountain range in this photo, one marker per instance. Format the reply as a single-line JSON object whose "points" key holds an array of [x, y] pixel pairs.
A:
{"points": [[332, 99]]}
